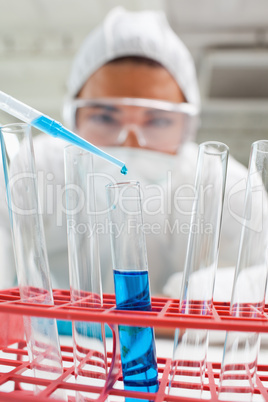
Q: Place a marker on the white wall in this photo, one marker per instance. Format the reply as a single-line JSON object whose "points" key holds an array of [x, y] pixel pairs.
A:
{"points": [[228, 35]]}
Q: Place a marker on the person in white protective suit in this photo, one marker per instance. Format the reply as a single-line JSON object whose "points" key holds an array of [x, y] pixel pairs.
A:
{"points": [[133, 92]]}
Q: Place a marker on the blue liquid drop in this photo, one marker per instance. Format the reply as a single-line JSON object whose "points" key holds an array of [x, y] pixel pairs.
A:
{"points": [[124, 170], [137, 344]]}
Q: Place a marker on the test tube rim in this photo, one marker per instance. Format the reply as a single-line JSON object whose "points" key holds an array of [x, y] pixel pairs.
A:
{"points": [[11, 126], [130, 183], [217, 145], [258, 142], [79, 150]]}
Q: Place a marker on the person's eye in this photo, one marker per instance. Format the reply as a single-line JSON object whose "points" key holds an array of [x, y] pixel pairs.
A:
{"points": [[159, 122], [102, 119]]}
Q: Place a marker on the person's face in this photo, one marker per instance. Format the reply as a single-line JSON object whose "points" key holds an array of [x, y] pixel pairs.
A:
{"points": [[131, 80]]}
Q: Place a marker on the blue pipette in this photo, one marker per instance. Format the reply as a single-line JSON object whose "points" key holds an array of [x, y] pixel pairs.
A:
{"points": [[44, 123]]}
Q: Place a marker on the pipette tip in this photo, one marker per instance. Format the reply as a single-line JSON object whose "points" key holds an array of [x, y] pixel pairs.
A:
{"points": [[124, 170]]}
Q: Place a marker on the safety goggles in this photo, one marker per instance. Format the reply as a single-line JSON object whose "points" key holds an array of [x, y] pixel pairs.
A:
{"points": [[156, 125]]}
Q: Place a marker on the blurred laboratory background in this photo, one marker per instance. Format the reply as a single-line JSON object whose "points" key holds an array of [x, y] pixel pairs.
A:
{"points": [[227, 38]]}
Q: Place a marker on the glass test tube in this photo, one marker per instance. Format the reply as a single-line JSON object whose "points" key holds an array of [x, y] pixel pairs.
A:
{"points": [[241, 349], [131, 281], [30, 249], [84, 268], [190, 345]]}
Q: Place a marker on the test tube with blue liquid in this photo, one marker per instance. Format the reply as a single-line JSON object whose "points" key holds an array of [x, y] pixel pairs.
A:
{"points": [[132, 290]]}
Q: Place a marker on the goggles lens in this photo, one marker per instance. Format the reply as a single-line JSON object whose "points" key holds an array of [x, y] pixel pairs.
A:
{"points": [[155, 125]]}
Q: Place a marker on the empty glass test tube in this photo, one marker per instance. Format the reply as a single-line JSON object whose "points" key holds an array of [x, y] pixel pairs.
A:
{"points": [[190, 345], [241, 349], [131, 281], [84, 268], [30, 249]]}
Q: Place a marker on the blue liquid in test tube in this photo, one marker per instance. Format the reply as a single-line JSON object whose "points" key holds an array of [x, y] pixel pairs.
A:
{"points": [[137, 344]]}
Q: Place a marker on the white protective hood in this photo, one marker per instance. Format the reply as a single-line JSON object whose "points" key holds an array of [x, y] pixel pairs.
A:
{"points": [[146, 34]]}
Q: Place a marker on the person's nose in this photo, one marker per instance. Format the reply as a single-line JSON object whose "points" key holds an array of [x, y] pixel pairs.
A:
{"points": [[131, 139]]}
